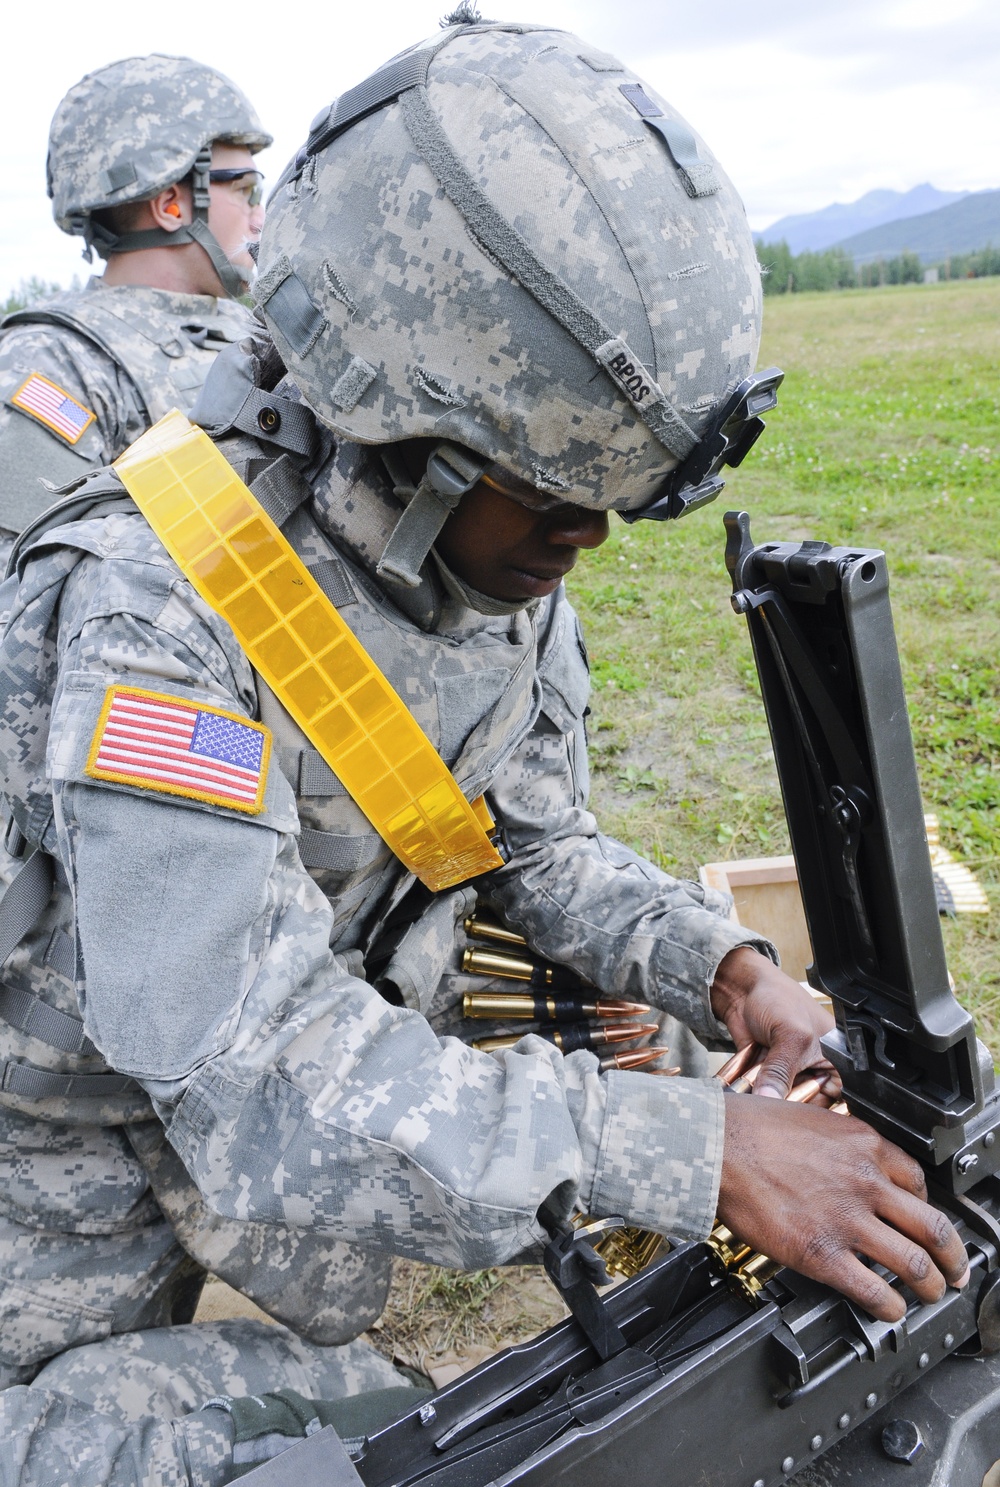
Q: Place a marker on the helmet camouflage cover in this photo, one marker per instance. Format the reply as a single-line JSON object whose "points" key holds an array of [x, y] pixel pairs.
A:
{"points": [[505, 240], [133, 128]]}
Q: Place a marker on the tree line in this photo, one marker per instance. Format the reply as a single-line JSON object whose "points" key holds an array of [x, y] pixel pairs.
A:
{"points": [[786, 272]]}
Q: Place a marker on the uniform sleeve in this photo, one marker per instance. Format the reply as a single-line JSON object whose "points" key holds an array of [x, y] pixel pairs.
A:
{"points": [[291, 1090], [584, 899], [38, 363]]}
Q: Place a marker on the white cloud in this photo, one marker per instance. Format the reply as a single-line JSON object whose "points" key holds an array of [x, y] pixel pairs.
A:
{"points": [[804, 101]]}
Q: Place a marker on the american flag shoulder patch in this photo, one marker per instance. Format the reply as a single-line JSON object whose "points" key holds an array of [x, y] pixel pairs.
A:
{"points": [[53, 406], [160, 742]]}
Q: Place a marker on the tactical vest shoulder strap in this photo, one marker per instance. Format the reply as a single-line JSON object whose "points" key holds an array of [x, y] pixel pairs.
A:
{"points": [[96, 494], [236, 558], [124, 340]]}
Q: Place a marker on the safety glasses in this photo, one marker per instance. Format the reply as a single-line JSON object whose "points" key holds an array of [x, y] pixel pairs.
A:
{"points": [[252, 186]]}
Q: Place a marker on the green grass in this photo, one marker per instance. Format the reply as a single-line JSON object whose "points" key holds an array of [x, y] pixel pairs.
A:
{"points": [[887, 435]]}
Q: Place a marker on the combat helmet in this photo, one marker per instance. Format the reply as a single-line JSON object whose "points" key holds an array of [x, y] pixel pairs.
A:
{"points": [[505, 242], [130, 130]]}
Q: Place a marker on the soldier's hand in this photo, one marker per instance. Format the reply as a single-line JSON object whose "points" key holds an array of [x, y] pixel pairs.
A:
{"points": [[760, 1004], [815, 1190]]}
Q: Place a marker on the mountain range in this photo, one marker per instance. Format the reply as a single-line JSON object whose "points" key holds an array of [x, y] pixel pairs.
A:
{"points": [[933, 224], [962, 227], [832, 224]]}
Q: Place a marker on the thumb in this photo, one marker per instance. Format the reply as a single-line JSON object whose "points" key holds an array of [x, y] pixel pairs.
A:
{"points": [[776, 1074]]}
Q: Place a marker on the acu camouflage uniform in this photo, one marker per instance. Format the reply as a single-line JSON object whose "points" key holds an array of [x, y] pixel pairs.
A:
{"points": [[125, 354], [132, 1412], [297, 1090], [275, 997]]}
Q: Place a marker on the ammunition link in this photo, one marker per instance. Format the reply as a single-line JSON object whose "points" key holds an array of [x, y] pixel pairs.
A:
{"points": [[744, 1269]]}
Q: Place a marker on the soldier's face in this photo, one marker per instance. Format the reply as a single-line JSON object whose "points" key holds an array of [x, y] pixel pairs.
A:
{"points": [[511, 553], [232, 220]]}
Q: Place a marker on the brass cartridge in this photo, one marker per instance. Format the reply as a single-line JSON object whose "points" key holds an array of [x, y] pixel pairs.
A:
{"points": [[488, 929], [513, 968], [560, 1008], [571, 1036]]}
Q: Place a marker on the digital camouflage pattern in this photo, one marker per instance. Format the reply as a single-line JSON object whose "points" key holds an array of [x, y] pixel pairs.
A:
{"points": [[103, 1231], [129, 130], [294, 1092], [296, 1040], [131, 1410], [381, 282], [127, 354]]}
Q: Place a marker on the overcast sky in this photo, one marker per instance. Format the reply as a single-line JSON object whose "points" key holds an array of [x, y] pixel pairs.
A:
{"points": [[805, 102]]}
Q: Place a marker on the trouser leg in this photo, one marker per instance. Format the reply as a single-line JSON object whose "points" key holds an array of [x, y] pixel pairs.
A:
{"points": [[128, 1412], [84, 1249], [168, 1372], [52, 1440]]}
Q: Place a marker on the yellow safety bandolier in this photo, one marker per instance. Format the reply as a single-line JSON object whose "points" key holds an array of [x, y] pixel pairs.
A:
{"points": [[227, 546]]}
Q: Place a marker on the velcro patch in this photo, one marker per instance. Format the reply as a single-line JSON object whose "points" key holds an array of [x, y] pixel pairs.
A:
{"points": [[160, 742], [53, 406], [628, 371]]}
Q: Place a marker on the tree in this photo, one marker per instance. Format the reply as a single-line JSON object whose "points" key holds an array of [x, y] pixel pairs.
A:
{"points": [[30, 291]]}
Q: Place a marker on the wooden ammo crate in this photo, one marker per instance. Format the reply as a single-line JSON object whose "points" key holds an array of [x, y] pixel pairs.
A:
{"points": [[766, 898]]}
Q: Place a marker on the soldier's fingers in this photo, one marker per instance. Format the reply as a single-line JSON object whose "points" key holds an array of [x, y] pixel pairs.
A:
{"points": [[901, 1170], [831, 1262], [931, 1234], [832, 1084], [909, 1261], [786, 1058]]}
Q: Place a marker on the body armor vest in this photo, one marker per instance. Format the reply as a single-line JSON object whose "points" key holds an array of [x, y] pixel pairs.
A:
{"points": [[165, 342]]}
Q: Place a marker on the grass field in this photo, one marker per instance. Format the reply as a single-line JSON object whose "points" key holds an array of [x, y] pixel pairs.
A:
{"points": [[887, 435]]}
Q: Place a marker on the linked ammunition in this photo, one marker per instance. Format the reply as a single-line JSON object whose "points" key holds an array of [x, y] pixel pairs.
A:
{"points": [[573, 1035], [513, 968], [745, 1083], [804, 1091], [627, 1251], [753, 1275], [488, 929], [632, 1058], [546, 1009], [739, 1063], [726, 1248]]}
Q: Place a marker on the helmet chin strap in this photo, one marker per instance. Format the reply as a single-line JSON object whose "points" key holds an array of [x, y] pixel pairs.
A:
{"points": [[196, 231], [449, 474]]}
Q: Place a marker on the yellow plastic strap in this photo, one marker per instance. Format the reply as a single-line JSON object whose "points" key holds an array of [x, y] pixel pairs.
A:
{"points": [[227, 546]]}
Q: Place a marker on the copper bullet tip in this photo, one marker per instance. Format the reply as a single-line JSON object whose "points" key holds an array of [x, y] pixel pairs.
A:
{"points": [[634, 1058], [739, 1063], [622, 1032]]}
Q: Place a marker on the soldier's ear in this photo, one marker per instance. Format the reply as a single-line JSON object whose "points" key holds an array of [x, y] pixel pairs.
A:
{"points": [[170, 209]]}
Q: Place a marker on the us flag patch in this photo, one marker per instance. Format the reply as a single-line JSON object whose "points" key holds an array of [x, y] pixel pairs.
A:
{"points": [[160, 742], [54, 407]]}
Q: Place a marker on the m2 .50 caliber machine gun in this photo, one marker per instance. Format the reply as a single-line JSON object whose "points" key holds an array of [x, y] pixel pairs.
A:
{"points": [[677, 1377]]}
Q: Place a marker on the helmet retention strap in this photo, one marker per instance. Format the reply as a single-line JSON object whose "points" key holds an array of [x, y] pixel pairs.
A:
{"points": [[450, 473], [197, 231]]}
